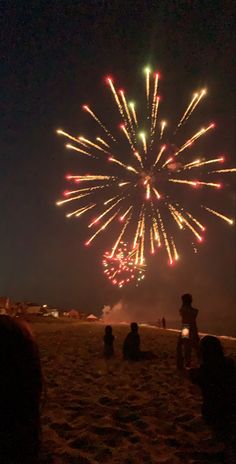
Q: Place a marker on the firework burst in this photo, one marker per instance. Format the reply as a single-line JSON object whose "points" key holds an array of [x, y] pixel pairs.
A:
{"points": [[121, 269], [135, 188]]}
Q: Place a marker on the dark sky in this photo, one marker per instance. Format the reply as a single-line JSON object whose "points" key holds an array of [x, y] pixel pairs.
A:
{"points": [[55, 57]]}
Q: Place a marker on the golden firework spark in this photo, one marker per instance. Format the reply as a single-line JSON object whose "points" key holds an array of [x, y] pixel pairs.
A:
{"points": [[72, 147], [221, 216], [163, 125], [143, 137], [159, 155], [191, 107], [97, 219], [198, 163], [86, 108], [80, 211], [147, 72], [194, 137], [125, 213], [127, 111], [99, 139], [225, 170], [132, 106]]}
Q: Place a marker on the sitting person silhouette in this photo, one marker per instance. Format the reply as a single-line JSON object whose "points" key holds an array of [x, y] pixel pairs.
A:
{"points": [[216, 378], [188, 338], [131, 346], [108, 339], [20, 393]]}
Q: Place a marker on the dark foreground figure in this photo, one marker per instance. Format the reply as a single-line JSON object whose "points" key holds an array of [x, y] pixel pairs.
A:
{"points": [[131, 346], [188, 338], [20, 393], [216, 378], [108, 339]]}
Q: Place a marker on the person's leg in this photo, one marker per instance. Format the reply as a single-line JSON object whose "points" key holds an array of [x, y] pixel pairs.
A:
{"points": [[198, 351], [179, 354], [187, 352]]}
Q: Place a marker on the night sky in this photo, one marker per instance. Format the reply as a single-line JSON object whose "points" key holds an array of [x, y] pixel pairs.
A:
{"points": [[55, 58]]}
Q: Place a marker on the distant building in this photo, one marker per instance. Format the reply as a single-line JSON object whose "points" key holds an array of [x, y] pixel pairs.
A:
{"points": [[3, 311], [91, 318], [73, 314], [51, 312], [5, 305], [32, 308]]}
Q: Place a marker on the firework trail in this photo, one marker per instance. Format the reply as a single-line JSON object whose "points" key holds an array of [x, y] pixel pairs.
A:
{"points": [[135, 190]]}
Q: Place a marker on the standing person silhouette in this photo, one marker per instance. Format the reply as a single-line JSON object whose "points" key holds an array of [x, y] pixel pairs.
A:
{"points": [[189, 338]]}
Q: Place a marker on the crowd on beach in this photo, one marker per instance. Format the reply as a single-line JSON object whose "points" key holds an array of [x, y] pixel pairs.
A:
{"points": [[22, 382]]}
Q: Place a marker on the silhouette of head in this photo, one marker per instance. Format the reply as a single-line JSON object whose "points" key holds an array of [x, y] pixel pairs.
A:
{"points": [[134, 327], [187, 299], [20, 392], [211, 350], [108, 329]]}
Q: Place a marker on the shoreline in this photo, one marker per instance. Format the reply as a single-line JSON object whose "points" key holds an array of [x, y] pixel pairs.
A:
{"points": [[203, 334]]}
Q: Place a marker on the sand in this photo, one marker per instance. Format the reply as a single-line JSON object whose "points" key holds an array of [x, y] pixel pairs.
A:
{"points": [[97, 411]]}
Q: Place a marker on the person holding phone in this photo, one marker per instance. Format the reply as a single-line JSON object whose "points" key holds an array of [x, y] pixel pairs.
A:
{"points": [[188, 338]]}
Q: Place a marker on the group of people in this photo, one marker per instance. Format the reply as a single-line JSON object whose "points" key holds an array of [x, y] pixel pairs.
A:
{"points": [[131, 345], [21, 383], [188, 338], [215, 376]]}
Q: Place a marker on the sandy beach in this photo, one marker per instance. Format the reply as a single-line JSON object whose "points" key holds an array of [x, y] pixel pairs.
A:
{"points": [[114, 411]]}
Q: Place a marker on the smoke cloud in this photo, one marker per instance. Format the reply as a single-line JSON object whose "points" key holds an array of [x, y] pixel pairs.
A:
{"points": [[126, 312]]}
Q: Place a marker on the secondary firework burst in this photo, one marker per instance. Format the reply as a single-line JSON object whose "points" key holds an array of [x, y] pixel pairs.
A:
{"points": [[143, 180], [121, 268]]}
